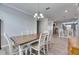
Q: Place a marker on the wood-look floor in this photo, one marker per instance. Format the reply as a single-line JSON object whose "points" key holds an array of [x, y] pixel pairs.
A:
{"points": [[59, 46]]}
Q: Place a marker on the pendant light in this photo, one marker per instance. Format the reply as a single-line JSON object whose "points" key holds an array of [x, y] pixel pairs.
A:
{"points": [[38, 14]]}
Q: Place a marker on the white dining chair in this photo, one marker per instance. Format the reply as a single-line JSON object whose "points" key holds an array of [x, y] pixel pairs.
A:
{"points": [[38, 46], [10, 45], [15, 49], [47, 43], [48, 40]]}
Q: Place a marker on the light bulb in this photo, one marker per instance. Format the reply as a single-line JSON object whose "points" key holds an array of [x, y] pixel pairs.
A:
{"points": [[38, 15], [35, 15], [41, 15], [66, 11]]}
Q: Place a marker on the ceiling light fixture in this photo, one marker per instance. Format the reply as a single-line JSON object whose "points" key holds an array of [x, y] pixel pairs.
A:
{"points": [[77, 4], [66, 11], [76, 17], [38, 15], [47, 8]]}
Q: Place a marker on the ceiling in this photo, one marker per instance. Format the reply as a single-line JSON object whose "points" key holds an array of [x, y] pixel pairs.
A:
{"points": [[58, 12]]}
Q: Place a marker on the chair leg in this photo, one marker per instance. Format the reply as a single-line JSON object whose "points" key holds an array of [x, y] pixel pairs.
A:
{"points": [[39, 52], [30, 50], [47, 48], [20, 51], [44, 50], [26, 51]]}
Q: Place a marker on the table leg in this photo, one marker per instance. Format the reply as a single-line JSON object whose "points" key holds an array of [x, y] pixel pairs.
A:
{"points": [[20, 50]]}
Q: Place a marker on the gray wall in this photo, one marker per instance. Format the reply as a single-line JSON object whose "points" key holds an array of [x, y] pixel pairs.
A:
{"points": [[15, 22]]}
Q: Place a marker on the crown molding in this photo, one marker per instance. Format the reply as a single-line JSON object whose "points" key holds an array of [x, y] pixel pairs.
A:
{"points": [[18, 9]]}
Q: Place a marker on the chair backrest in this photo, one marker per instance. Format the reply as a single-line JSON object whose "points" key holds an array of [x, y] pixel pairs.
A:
{"points": [[50, 35], [42, 38], [10, 43]]}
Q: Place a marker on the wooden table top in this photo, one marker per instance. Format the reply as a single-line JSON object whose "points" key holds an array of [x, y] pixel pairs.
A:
{"points": [[19, 40]]}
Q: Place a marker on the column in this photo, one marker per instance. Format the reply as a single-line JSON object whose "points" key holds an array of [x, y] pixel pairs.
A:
{"points": [[42, 25]]}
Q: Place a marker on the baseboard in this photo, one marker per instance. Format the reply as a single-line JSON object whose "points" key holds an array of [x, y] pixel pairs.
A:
{"points": [[4, 46]]}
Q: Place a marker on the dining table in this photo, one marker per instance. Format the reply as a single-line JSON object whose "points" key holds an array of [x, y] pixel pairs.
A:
{"points": [[24, 39]]}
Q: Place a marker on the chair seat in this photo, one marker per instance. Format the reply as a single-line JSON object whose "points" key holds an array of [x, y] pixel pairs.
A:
{"points": [[35, 45], [15, 51]]}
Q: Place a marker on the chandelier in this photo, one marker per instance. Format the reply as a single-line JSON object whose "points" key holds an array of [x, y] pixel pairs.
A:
{"points": [[38, 15]]}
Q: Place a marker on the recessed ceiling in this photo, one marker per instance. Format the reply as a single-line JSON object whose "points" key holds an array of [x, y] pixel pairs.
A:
{"points": [[56, 11]]}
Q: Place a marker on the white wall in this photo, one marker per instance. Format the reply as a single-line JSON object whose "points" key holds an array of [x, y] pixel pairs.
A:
{"points": [[15, 22], [77, 33], [43, 25], [50, 25]]}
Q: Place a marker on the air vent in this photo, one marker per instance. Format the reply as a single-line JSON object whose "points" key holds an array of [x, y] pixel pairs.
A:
{"points": [[47, 8]]}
